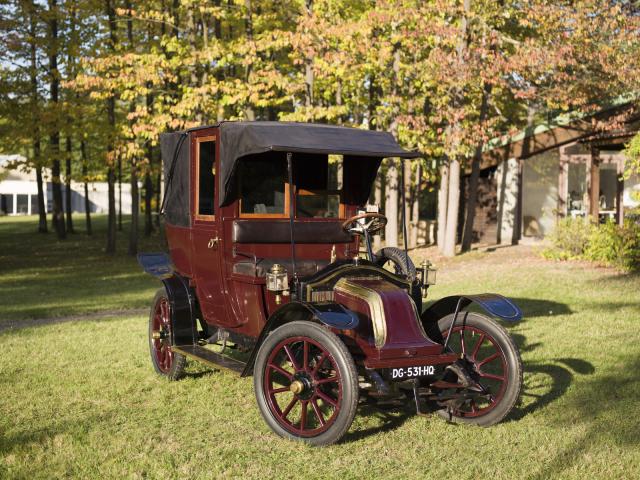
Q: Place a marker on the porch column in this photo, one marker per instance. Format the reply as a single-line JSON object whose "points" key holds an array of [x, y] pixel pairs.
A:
{"points": [[508, 183], [563, 182], [620, 192], [594, 184]]}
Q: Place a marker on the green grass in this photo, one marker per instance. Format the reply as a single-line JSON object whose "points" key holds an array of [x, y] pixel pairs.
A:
{"points": [[42, 277], [81, 400]]}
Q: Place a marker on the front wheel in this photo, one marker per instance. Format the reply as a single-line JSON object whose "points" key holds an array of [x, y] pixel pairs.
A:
{"points": [[491, 370], [306, 383]]}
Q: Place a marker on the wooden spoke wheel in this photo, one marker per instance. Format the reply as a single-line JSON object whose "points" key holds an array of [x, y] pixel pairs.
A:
{"points": [[306, 383], [493, 368], [164, 360]]}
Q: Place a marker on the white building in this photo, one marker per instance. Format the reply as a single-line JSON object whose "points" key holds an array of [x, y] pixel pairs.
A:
{"points": [[19, 191]]}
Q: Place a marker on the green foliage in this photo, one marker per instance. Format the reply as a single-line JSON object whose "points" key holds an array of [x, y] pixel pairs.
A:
{"points": [[616, 245], [569, 239], [609, 243], [632, 152]]}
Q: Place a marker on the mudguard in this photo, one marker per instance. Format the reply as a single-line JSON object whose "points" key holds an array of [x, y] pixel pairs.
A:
{"points": [[183, 308], [156, 264], [331, 314], [492, 303]]}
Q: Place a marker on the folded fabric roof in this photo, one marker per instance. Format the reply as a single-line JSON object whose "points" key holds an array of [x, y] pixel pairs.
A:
{"points": [[239, 139]]}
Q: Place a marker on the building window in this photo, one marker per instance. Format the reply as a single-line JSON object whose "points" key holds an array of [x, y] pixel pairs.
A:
{"points": [[6, 204], [22, 203], [34, 205]]}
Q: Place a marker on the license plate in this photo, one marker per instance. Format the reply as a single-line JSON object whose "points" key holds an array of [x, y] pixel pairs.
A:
{"points": [[404, 373]]}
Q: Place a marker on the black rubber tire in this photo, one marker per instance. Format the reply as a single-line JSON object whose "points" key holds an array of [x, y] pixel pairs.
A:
{"points": [[403, 265], [179, 361], [513, 361], [348, 373]]}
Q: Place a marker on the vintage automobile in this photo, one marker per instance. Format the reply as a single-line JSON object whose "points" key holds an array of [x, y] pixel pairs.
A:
{"points": [[265, 276]]}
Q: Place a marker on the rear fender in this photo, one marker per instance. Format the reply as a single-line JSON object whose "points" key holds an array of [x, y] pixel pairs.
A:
{"points": [[330, 314], [158, 265], [183, 310], [495, 305], [181, 299]]}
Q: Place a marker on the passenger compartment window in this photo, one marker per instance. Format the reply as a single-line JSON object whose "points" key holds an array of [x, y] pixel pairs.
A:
{"points": [[319, 187], [206, 176], [263, 185]]}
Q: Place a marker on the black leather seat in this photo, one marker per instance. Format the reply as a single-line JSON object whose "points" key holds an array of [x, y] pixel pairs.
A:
{"points": [[279, 231], [304, 268]]}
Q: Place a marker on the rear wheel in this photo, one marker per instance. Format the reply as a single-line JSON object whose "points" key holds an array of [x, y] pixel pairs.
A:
{"points": [[306, 383], [164, 360], [492, 364]]}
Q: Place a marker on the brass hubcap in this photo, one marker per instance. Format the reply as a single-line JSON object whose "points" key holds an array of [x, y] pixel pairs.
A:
{"points": [[296, 387]]}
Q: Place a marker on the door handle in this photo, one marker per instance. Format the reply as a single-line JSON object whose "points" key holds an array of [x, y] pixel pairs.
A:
{"points": [[213, 242]]}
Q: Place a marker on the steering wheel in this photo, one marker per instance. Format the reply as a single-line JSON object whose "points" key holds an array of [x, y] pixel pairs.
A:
{"points": [[365, 222]]}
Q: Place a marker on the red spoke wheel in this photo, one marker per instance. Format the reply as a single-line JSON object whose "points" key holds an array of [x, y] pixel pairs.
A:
{"points": [[164, 360], [492, 361], [306, 383]]}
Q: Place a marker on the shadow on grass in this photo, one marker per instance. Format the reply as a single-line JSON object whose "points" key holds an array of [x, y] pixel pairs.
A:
{"points": [[561, 377], [41, 436], [607, 405], [390, 419], [538, 307]]}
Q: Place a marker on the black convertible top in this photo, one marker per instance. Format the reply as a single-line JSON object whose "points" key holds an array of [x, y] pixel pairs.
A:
{"points": [[239, 139]]}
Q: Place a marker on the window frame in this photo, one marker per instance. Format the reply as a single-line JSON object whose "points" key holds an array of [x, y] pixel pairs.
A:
{"points": [[196, 200], [285, 213], [342, 208]]}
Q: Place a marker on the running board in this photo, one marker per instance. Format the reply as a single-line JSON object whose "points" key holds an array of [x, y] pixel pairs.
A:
{"points": [[209, 358]]}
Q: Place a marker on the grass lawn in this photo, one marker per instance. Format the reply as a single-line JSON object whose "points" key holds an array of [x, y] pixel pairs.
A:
{"points": [[42, 277], [80, 399]]}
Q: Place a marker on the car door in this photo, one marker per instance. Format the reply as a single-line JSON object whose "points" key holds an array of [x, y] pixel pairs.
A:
{"points": [[207, 228]]}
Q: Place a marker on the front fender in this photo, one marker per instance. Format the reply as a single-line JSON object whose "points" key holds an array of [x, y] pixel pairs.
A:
{"points": [[333, 315], [492, 303]]}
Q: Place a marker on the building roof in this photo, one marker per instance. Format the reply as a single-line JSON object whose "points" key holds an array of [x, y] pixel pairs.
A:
{"points": [[565, 128]]}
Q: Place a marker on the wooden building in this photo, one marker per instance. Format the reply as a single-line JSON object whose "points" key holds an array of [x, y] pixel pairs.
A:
{"points": [[553, 170]]}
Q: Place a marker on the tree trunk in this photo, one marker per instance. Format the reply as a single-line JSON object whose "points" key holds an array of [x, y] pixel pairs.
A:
{"points": [[35, 99], [443, 201], [111, 113], [135, 199], [111, 217], [85, 175], [391, 194], [54, 138], [472, 193], [391, 204], [408, 180], [135, 209], [248, 27], [67, 187], [119, 193], [148, 196], [377, 239], [42, 211], [308, 65], [158, 192], [415, 208], [453, 204]]}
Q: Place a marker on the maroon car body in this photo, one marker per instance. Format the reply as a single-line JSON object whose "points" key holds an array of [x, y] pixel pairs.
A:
{"points": [[251, 204]]}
